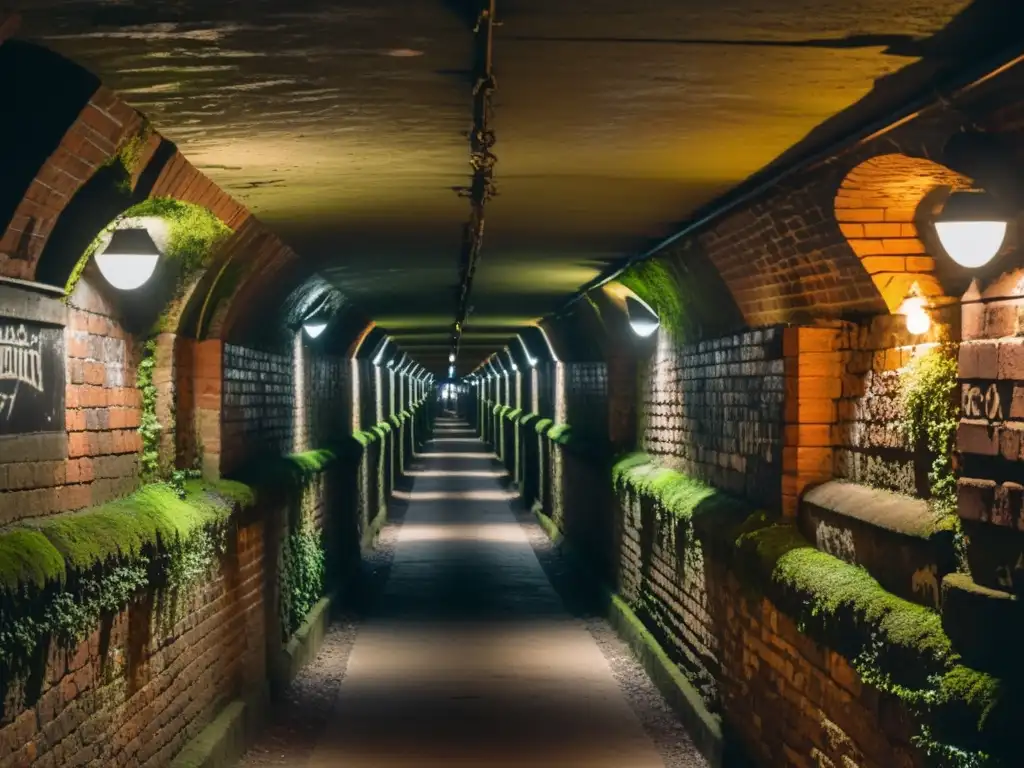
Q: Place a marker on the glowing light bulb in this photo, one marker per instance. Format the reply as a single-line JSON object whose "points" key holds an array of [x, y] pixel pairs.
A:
{"points": [[915, 311], [314, 329]]}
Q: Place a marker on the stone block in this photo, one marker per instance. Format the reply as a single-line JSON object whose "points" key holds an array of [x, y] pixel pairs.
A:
{"points": [[890, 535], [984, 624]]}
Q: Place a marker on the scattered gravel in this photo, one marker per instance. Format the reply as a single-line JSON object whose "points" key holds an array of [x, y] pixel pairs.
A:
{"points": [[297, 721], [582, 600]]}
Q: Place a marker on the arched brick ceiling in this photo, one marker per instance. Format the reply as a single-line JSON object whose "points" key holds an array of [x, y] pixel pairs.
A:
{"points": [[342, 124]]}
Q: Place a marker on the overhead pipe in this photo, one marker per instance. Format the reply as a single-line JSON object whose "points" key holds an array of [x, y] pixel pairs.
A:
{"points": [[760, 183]]}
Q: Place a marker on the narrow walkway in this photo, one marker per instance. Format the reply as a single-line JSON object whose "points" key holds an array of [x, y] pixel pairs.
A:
{"points": [[468, 656]]}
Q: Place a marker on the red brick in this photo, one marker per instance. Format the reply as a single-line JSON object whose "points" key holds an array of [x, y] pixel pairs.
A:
{"points": [[1011, 359]]}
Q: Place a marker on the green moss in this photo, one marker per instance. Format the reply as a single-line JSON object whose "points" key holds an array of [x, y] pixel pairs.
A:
{"points": [[526, 418], [832, 587], [653, 282], [60, 574], [122, 529], [193, 237], [514, 414], [149, 425], [28, 557], [312, 462], [929, 418], [395, 421], [364, 438], [560, 433], [302, 576], [678, 494], [896, 646], [543, 425], [241, 495]]}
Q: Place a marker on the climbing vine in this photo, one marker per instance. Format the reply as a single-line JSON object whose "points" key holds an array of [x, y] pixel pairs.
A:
{"points": [[149, 424], [302, 575], [59, 577], [930, 416], [193, 235]]}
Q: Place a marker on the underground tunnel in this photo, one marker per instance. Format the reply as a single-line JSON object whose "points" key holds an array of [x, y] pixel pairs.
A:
{"points": [[511, 383]]}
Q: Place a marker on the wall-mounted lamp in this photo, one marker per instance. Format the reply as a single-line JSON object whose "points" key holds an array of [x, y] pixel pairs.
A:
{"points": [[642, 319], [530, 360], [915, 309], [129, 259], [451, 357], [971, 228], [314, 328]]}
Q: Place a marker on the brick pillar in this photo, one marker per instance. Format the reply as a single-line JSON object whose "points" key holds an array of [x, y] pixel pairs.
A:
{"points": [[209, 378], [990, 437], [814, 371]]}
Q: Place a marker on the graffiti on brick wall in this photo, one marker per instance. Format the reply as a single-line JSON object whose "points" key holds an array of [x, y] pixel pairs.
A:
{"points": [[31, 378], [982, 400]]}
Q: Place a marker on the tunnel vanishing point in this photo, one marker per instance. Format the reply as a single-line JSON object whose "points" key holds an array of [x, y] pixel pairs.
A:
{"points": [[706, 450]]}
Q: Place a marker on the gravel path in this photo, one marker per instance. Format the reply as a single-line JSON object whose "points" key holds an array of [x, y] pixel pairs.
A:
{"points": [[582, 600], [301, 721], [298, 722]]}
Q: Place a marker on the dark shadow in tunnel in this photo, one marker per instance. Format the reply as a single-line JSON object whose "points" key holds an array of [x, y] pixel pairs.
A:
{"points": [[43, 95], [985, 30]]}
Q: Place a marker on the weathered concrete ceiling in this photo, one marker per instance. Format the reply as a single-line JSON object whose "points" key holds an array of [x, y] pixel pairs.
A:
{"points": [[342, 125]]}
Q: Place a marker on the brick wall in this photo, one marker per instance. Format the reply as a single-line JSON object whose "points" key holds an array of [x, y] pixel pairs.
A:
{"points": [[586, 396], [327, 403], [714, 411], [96, 458], [870, 446], [788, 699], [792, 701], [661, 574], [258, 402], [136, 695]]}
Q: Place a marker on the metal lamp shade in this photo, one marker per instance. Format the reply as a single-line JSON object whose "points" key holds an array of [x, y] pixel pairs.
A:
{"points": [[129, 260]]}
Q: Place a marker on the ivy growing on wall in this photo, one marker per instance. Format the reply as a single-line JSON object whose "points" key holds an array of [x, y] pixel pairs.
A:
{"points": [[193, 236], [930, 415], [302, 577], [60, 576], [149, 424]]}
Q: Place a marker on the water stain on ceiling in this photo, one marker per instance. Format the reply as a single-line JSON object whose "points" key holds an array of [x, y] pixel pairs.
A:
{"points": [[344, 128]]}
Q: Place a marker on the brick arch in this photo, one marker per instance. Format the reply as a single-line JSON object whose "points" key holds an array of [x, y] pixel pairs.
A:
{"points": [[876, 208], [104, 124]]}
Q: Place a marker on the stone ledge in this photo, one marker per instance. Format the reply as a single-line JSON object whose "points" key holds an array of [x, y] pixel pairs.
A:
{"points": [[303, 646], [225, 740], [894, 537], [704, 727], [985, 625]]}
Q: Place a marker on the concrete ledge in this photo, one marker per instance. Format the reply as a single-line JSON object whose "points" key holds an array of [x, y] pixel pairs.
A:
{"points": [[225, 740], [304, 645], [894, 537], [704, 727]]}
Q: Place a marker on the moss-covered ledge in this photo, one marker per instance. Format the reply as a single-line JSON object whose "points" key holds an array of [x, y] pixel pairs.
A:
{"points": [[61, 574], [964, 717]]}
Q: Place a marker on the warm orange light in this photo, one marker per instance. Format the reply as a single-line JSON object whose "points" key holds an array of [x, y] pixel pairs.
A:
{"points": [[915, 311]]}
